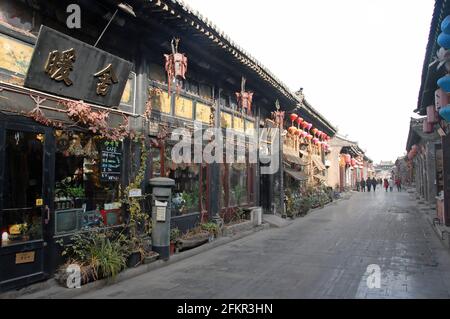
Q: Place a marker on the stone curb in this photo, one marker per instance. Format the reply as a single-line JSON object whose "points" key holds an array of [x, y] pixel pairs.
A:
{"points": [[56, 291]]}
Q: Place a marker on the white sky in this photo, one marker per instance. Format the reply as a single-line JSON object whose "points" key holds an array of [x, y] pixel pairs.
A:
{"points": [[359, 61]]}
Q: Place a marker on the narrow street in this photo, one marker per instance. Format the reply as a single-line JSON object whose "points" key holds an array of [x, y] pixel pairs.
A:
{"points": [[323, 255]]}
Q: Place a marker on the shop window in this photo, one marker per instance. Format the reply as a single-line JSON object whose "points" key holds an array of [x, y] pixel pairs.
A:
{"points": [[21, 217], [87, 177], [187, 191], [238, 184], [224, 185]]}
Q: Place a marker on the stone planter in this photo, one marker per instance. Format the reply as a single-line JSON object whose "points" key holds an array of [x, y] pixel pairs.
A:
{"points": [[153, 256], [87, 275], [238, 228], [193, 242]]}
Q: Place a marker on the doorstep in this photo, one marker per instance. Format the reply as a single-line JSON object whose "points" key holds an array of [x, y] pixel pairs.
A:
{"points": [[51, 289]]}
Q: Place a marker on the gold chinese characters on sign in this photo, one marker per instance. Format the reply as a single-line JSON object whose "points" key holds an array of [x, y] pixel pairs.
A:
{"points": [[60, 64], [202, 112], [183, 107], [106, 77]]}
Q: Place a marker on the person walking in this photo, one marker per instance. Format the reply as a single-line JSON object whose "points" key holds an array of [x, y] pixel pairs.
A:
{"points": [[385, 184], [398, 183], [374, 184], [368, 184], [363, 185], [391, 184], [357, 186]]}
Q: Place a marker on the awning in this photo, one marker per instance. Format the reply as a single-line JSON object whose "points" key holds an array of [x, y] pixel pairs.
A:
{"points": [[300, 176], [318, 162], [294, 159], [320, 177]]}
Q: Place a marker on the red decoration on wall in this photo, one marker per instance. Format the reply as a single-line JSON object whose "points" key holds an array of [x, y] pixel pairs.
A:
{"points": [[244, 98], [176, 66]]}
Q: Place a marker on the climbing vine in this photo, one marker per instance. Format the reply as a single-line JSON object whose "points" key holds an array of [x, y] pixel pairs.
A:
{"points": [[137, 215]]}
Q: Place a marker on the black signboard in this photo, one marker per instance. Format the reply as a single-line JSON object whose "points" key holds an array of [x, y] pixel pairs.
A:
{"points": [[111, 161], [68, 67]]}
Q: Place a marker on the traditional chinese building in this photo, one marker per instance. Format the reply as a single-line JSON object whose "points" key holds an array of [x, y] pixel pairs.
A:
{"points": [[348, 164], [428, 144], [87, 115]]}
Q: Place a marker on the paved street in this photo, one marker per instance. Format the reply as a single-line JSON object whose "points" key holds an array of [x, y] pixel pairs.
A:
{"points": [[324, 255]]}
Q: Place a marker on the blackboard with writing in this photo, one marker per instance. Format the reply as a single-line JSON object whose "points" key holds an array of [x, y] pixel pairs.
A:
{"points": [[111, 161]]}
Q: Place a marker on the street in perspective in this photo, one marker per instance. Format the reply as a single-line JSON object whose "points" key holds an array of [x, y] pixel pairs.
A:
{"points": [[224, 150]]}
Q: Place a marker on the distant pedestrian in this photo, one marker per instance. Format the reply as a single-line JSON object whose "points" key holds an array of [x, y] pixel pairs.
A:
{"points": [[374, 184], [386, 184], [368, 184], [391, 184], [363, 185], [357, 186], [398, 183]]}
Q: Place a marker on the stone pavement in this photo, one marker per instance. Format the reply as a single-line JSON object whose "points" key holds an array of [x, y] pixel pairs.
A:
{"points": [[323, 255]]}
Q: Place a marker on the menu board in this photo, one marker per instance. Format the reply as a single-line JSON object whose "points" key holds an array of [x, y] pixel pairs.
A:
{"points": [[111, 161]]}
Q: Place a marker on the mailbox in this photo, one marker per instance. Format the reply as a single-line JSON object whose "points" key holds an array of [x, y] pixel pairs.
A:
{"points": [[161, 213]]}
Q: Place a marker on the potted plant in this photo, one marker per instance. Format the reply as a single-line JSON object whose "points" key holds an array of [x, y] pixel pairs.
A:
{"points": [[77, 194], [99, 255], [193, 238], [136, 252], [212, 229], [174, 236]]}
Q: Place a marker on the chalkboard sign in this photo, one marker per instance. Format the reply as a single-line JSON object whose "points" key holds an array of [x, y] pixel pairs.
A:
{"points": [[111, 161]]}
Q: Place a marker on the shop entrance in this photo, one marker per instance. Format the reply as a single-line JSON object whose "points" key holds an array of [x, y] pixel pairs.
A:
{"points": [[25, 168]]}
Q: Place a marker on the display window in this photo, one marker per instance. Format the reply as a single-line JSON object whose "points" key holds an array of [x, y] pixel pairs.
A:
{"points": [[22, 189], [87, 178]]}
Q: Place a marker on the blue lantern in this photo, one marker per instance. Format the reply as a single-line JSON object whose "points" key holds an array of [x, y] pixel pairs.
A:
{"points": [[444, 40], [444, 83], [445, 25], [444, 112]]}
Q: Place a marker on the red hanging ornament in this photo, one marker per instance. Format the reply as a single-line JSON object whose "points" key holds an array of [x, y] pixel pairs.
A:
{"points": [[176, 66], [244, 98], [293, 117]]}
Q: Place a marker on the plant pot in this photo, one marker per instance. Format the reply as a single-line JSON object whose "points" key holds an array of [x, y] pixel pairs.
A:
{"points": [[78, 202], [172, 248], [134, 259]]}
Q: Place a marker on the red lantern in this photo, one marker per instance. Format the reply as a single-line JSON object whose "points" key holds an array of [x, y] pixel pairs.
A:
{"points": [[292, 130], [314, 131], [304, 124], [303, 134], [297, 132], [348, 158], [309, 126], [353, 162], [309, 137], [299, 121], [176, 65], [293, 117]]}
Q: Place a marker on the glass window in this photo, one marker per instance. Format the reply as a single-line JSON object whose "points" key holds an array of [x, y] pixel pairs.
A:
{"points": [[186, 192], [22, 196], [87, 177], [238, 184]]}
